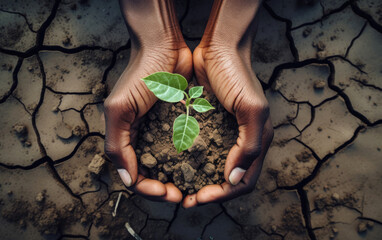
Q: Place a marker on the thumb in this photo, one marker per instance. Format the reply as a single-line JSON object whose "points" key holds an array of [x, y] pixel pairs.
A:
{"points": [[244, 152], [124, 159], [251, 119]]}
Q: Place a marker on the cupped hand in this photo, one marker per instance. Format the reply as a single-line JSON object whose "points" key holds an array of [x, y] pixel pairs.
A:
{"points": [[156, 45], [228, 74]]}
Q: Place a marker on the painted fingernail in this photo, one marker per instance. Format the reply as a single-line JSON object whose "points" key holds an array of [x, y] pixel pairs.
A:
{"points": [[125, 176], [236, 175]]}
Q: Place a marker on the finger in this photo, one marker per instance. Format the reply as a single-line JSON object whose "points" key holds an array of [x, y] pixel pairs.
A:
{"points": [[199, 69], [156, 190], [227, 191], [119, 136], [190, 201], [246, 149]]}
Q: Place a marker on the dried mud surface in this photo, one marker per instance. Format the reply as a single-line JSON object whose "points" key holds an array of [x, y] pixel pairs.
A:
{"points": [[319, 63]]}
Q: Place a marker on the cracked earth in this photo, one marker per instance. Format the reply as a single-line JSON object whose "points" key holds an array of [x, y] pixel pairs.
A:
{"points": [[319, 63]]}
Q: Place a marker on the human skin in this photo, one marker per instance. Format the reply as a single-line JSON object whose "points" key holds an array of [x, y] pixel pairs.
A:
{"points": [[156, 45], [222, 63]]}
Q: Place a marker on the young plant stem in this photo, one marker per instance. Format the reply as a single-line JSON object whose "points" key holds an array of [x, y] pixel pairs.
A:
{"points": [[187, 103]]}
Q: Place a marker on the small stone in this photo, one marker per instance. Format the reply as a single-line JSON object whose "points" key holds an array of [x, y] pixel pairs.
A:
{"points": [[148, 160], [96, 165], [20, 130], [370, 224], [362, 227], [336, 197], [334, 230], [40, 197], [319, 84], [167, 169], [273, 228], [165, 127], [209, 169], [148, 137], [111, 203], [162, 177], [30, 69], [188, 172]]}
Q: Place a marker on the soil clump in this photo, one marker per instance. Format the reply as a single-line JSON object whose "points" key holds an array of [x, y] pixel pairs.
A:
{"points": [[200, 165]]}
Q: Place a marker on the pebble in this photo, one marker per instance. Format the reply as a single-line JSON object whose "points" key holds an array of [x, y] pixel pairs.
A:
{"points": [[362, 227], [319, 84], [188, 172], [165, 127], [40, 197], [209, 169], [20, 129], [96, 165], [148, 160], [148, 137], [336, 197]]}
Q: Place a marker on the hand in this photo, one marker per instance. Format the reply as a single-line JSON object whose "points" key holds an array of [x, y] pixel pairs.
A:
{"points": [[157, 45], [223, 66]]}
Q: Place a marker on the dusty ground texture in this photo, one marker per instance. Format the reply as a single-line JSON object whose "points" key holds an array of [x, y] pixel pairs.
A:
{"points": [[320, 65]]}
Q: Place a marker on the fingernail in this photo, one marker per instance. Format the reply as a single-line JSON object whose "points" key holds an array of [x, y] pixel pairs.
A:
{"points": [[125, 176], [236, 175]]}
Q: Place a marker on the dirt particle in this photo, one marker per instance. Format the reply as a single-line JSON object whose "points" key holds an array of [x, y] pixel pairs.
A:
{"points": [[188, 172], [209, 169], [78, 131], [20, 130], [148, 137], [362, 227], [304, 156], [166, 127], [319, 84], [97, 164], [148, 160], [336, 197], [162, 177], [40, 198]]}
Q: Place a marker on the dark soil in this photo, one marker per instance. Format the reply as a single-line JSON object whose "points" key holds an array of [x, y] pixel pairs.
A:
{"points": [[200, 165]]}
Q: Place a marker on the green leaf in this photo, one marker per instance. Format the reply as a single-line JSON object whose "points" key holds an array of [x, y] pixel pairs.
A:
{"points": [[196, 92], [166, 86], [202, 105], [186, 129]]}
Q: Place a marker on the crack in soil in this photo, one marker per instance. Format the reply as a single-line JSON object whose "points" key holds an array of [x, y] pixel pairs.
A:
{"points": [[304, 201]]}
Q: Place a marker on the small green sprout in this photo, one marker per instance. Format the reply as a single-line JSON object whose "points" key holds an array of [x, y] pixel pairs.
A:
{"points": [[171, 88]]}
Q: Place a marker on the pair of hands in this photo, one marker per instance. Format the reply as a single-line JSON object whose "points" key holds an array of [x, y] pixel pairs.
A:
{"points": [[225, 71]]}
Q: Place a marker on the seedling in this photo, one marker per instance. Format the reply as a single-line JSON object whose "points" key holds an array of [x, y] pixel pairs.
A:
{"points": [[171, 88]]}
